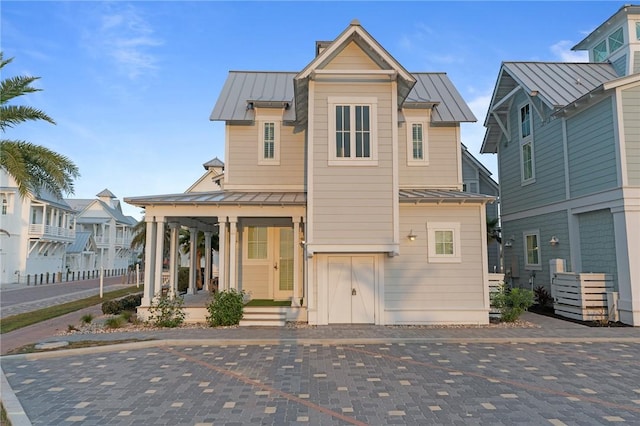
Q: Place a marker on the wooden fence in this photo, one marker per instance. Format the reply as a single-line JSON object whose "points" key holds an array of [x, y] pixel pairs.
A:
{"points": [[495, 280], [582, 296]]}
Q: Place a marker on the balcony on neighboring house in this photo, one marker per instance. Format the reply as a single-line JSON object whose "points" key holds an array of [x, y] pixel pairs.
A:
{"points": [[123, 241], [50, 232], [102, 241]]}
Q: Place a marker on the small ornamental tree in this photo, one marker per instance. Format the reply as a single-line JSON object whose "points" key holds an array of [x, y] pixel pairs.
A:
{"points": [[166, 312], [511, 302]]}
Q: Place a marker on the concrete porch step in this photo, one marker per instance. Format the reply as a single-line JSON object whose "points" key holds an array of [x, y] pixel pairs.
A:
{"points": [[259, 316]]}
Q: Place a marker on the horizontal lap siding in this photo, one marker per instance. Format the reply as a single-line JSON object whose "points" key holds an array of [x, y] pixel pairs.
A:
{"points": [[591, 145], [630, 114], [597, 242], [411, 282], [352, 57], [244, 149], [442, 147], [549, 225], [352, 204], [548, 155]]}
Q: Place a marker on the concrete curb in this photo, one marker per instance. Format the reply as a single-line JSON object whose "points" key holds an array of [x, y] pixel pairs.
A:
{"points": [[15, 413], [311, 341]]}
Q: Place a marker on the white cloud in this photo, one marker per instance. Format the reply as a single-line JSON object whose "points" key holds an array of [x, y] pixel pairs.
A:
{"points": [[127, 38], [562, 51]]}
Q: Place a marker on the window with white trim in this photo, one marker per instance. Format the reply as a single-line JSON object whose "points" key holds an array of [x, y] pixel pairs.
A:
{"points": [[443, 242], [527, 166], [532, 250], [616, 40], [352, 137], [600, 51], [5, 204], [269, 139], [613, 42], [417, 153], [638, 30], [257, 242]]}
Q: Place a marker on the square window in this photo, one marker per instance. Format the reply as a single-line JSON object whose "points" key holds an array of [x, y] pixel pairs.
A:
{"points": [[443, 241], [616, 40]]}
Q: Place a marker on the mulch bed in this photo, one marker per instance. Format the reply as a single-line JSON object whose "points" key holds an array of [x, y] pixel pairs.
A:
{"points": [[549, 312]]}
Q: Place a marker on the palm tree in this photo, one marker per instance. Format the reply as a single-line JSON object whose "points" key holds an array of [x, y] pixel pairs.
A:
{"points": [[33, 167], [493, 230]]}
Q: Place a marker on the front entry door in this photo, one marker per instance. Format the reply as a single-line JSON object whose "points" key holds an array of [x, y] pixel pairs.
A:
{"points": [[283, 264], [351, 289]]}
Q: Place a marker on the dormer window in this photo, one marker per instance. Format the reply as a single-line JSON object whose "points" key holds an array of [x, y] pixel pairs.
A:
{"points": [[613, 42], [600, 51], [352, 123], [269, 139], [616, 40]]}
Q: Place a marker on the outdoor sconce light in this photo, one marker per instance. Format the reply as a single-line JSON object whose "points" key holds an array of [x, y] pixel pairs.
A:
{"points": [[509, 242], [554, 241], [412, 236]]}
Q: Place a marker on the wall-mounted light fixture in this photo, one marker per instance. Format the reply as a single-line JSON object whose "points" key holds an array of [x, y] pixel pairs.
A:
{"points": [[509, 242], [554, 241], [412, 236]]}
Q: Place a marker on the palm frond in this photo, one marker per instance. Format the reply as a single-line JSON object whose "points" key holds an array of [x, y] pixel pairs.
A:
{"points": [[10, 115]]}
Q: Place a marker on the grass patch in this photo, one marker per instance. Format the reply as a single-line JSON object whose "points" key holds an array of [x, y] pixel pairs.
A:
{"points": [[4, 419], [268, 302], [31, 348], [15, 322]]}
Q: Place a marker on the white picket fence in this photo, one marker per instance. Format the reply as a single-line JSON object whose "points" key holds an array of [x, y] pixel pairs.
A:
{"points": [[582, 296]]}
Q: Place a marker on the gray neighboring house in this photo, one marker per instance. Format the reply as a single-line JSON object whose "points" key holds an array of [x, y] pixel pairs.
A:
{"points": [[567, 137], [477, 179]]}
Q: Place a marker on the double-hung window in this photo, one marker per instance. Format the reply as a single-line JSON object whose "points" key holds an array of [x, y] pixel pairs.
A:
{"points": [[527, 166], [5, 204], [417, 153], [532, 250], [443, 241], [352, 131], [269, 139]]}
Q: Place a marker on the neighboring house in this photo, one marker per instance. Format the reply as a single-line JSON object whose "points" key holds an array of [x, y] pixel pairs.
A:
{"points": [[477, 179], [342, 192], [36, 231], [81, 255], [567, 137], [110, 230]]}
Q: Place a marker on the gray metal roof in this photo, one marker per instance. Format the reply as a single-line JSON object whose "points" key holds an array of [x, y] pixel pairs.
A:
{"points": [[49, 197], [560, 83], [105, 193], [435, 87], [80, 243], [418, 196], [215, 162], [223, 198], [606, 26], [243, 87]]}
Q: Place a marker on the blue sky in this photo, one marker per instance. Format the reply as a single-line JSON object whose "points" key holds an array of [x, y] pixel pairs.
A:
{"points": [[131, 84]]}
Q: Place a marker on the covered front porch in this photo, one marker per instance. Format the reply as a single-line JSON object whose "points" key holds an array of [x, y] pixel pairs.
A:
{"points": [[260, 250]]}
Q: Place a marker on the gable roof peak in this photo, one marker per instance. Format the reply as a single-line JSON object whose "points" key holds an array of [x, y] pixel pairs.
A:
{"points": [[105, 193], [355, 22]]}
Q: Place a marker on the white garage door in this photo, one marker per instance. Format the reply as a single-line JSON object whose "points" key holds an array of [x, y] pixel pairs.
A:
{"points": [[351, 289]]}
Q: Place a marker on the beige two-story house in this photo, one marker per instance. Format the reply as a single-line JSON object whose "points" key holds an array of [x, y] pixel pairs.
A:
{"points": [[341, 192]]}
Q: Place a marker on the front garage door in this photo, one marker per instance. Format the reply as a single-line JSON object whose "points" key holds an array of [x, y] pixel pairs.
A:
{"points": [[351, 289]]}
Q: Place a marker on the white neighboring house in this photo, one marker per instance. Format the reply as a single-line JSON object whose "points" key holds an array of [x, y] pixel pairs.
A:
{"points": [[110, 230], [35, 232]]}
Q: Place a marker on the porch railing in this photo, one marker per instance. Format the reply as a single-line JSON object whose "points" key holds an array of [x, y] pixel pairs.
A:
{"points": [[43, 230]]}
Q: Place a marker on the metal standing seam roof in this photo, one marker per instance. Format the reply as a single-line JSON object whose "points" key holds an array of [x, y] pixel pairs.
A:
{"points": [[560, 83], [223, 198], [80, 243], [440, 195], [266, 86]]}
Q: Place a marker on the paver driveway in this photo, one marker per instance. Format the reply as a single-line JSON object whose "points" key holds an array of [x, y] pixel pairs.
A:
{"points": [[431, 383]]}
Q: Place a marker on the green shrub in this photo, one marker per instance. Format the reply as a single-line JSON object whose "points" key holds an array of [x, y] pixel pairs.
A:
{"points": [[127, 303], [113, 322], [225, 308], [166, 312], [511, 302], [127, 315], [543, 297], [86, 318]]}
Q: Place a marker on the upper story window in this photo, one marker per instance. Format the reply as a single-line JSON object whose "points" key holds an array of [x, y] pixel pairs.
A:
{"points": [[638, 30], [613, 42], [352, 127], [527, 166], [525, 121], [417, 153], [269, 140], [532, 249], [5, 204]]}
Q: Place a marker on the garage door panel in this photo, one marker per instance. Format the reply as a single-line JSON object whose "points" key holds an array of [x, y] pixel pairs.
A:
{"points": [[339, 287], [362, 304]]}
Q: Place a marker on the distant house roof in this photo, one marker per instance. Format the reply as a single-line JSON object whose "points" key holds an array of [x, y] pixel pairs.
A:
{"points": [[243, 89], [80, 243], [216, 162], [556, 84], [80, 205], [105, 193]]}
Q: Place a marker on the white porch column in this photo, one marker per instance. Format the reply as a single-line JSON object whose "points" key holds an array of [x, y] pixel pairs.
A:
{"points": [[223, 284], [233, 250], [207, 260], [149, 260], [157, 290], [193, 264], [295, 300], [173, 259]]}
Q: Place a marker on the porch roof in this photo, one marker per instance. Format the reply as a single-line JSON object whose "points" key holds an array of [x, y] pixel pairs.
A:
{"points": [[417, 196], [229, 198]]}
